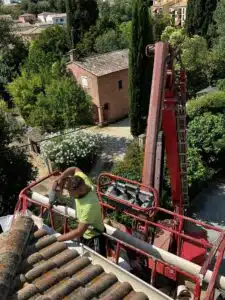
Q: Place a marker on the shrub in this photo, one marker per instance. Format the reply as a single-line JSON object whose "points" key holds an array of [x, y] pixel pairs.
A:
{"points": [[206, 133], [79, 149], [13, 161], [198, 172], [131, 166], [221, 85], [213, 102]]}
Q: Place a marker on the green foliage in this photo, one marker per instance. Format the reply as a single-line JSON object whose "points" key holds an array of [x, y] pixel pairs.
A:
{"points": [[109, 41], [75, 148], [206, 141], [81, 15], [161, 21], [221, 85], [121, 218], [140, 67], [3, 106], [12, 53], [213, 102], [13, 10], [53, 41], [206, 133], [121, 11], [131, 166], [198, 61], [44, 93], [63, 104], [125, 32], [219, 41], [195, 53], [101, 40], [111, 32], [51, 46], [24, 91], [50, 100], [12, 161], [200, 17], [198, 172], [37, 7], [117, 11]]}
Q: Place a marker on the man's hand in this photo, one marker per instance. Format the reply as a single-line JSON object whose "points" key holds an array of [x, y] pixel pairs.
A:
{"points": [[76, 233]]}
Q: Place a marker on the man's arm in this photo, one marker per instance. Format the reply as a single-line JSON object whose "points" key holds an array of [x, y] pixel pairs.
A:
{"points": [[59, 183], [68, 172], [76, 233]]}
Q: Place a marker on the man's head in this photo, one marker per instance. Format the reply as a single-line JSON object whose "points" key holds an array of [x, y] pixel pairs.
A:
{"points": [[76, 186]]}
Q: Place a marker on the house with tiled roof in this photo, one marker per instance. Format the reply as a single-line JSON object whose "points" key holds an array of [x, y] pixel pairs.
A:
{"points": [[105, 78], [176, 8], [52, 18], [27, 18]]}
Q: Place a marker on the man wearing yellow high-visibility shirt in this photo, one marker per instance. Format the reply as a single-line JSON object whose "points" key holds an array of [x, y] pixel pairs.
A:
{"points": [[88, 209]]}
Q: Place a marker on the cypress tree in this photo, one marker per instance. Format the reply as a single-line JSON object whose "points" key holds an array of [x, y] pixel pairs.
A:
{"points": [[140, 67], [200, 17], [81, 15]]}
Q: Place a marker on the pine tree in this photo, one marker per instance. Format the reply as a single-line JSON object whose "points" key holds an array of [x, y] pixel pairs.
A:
{"points": [[140, 67], [81, 15], [200, 17]]}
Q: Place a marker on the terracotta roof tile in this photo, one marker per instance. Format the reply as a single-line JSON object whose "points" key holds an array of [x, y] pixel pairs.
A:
{"points": [[39, 233], [45, 269], [52, 250]]}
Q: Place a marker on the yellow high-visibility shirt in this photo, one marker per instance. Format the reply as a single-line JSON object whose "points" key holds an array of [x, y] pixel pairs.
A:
{"points": [[88, 210]]}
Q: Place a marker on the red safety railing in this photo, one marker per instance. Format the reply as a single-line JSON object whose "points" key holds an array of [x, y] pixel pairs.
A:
{"points": [[216, 250]]}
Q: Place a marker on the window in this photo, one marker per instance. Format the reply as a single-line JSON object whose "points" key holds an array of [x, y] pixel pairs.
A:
{"points": [[61, 20], [84, 82], [120, 84], [106, 106]]}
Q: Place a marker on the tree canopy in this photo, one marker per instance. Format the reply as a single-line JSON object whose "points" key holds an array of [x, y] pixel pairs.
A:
{"points": [[12, 54], [81, 15], [36, 7], [15, 170], [140, 67], [50, 98], [200, 17]]}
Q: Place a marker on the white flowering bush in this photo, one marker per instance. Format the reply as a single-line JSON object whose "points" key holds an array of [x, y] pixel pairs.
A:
{"points": [[75, 148]]}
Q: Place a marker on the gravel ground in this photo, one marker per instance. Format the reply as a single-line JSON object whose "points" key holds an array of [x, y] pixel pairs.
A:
{"points": [[113, 149], [118, 129]]}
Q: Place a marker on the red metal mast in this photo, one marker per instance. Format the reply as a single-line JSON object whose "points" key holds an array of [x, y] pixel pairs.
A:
{"points": [[166, 113]]}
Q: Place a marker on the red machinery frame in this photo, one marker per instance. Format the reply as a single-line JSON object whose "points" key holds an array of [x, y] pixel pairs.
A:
{"points": [[162, 117], [217, 250]]}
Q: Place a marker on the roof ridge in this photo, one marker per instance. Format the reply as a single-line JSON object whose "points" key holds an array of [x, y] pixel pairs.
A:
{"points": [[101, 54]]}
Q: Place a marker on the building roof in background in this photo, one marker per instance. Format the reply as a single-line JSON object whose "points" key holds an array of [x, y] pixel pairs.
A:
{"points": [[170, 3], [45, 13], [55, 15], [35, 266], [182, 3], [27, 15], [104, 64]]}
